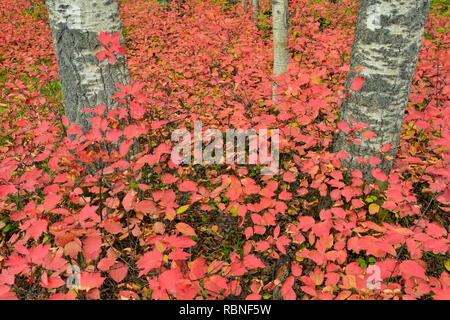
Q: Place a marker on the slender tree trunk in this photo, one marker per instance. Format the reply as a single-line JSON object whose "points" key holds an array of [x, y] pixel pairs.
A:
{"points": [[255, 7], [86, 82], [280, 17], [244, 4], [386, 44]]}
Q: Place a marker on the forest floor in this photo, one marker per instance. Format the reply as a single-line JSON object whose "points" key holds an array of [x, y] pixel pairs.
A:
{"points": [[162, 231]]}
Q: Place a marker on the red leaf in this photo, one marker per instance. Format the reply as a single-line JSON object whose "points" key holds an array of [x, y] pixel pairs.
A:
{"points": [[136, 110], [38, 253], [88, 212], [113, 227], [185, 228], [131, 131], [105, 38], [90, 280], [412, 268], [386, 147], [106, 263], [252, 262], [281, 242], [5, 190], [124, 147], [5, 294], [248, 232], [178, 254], [181, 242], [198, 268], [52, 282], [169, 279], [119, 272], [92, 244], [262, 245], [99, 110], [50, 202], [114, 135], [127, 201], [253, 296], [188, 186], [305, 223], [368, 135], [289, 176], [374, 160], [149, 261], [296, 269], [65, 121], [342, 154], [442, 294], [37, 228], [286, 289], [357, 83], [309, 290], [276, 231], [168, 178], [145, 206], [361, 159], [378, 174], [343, 126]]}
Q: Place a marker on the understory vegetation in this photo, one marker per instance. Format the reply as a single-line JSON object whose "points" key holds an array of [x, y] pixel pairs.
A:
{"points": [[145, 228]]}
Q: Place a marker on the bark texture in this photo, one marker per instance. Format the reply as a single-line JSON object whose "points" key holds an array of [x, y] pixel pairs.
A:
{"points": [[255, 7], [245, 4], [280, 17], [387, 41], [86, 82]]}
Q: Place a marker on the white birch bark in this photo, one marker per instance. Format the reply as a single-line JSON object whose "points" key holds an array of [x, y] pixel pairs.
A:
{"points": [[86, 82], [280, 17], [387, 41], [244, 4], [255, 7]]}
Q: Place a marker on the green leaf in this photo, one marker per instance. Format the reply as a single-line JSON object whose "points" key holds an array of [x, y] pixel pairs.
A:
{"points": [[362, 263], [134, 185]]}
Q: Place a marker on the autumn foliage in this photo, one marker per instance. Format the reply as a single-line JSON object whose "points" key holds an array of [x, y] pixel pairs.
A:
{"points": [[143, 227]]}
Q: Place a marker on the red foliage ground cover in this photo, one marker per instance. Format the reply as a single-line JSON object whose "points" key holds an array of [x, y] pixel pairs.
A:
{"points": [[144, 227]]}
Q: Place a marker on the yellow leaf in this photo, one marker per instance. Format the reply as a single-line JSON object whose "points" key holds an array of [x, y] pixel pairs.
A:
{"points": [[374, 208], [159, 246], [182, 209], [403, 231]]}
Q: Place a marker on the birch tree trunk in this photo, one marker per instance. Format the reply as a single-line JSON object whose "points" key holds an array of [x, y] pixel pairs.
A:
{"points": [[280, 17], [255, 7], [244, 4], [387, 41], [86, 82]]}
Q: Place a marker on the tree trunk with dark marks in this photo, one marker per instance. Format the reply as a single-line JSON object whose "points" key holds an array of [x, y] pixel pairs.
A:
{"points": [[86, 82], [387, 41], [255, 8], [244, 4], [280, 17]]}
